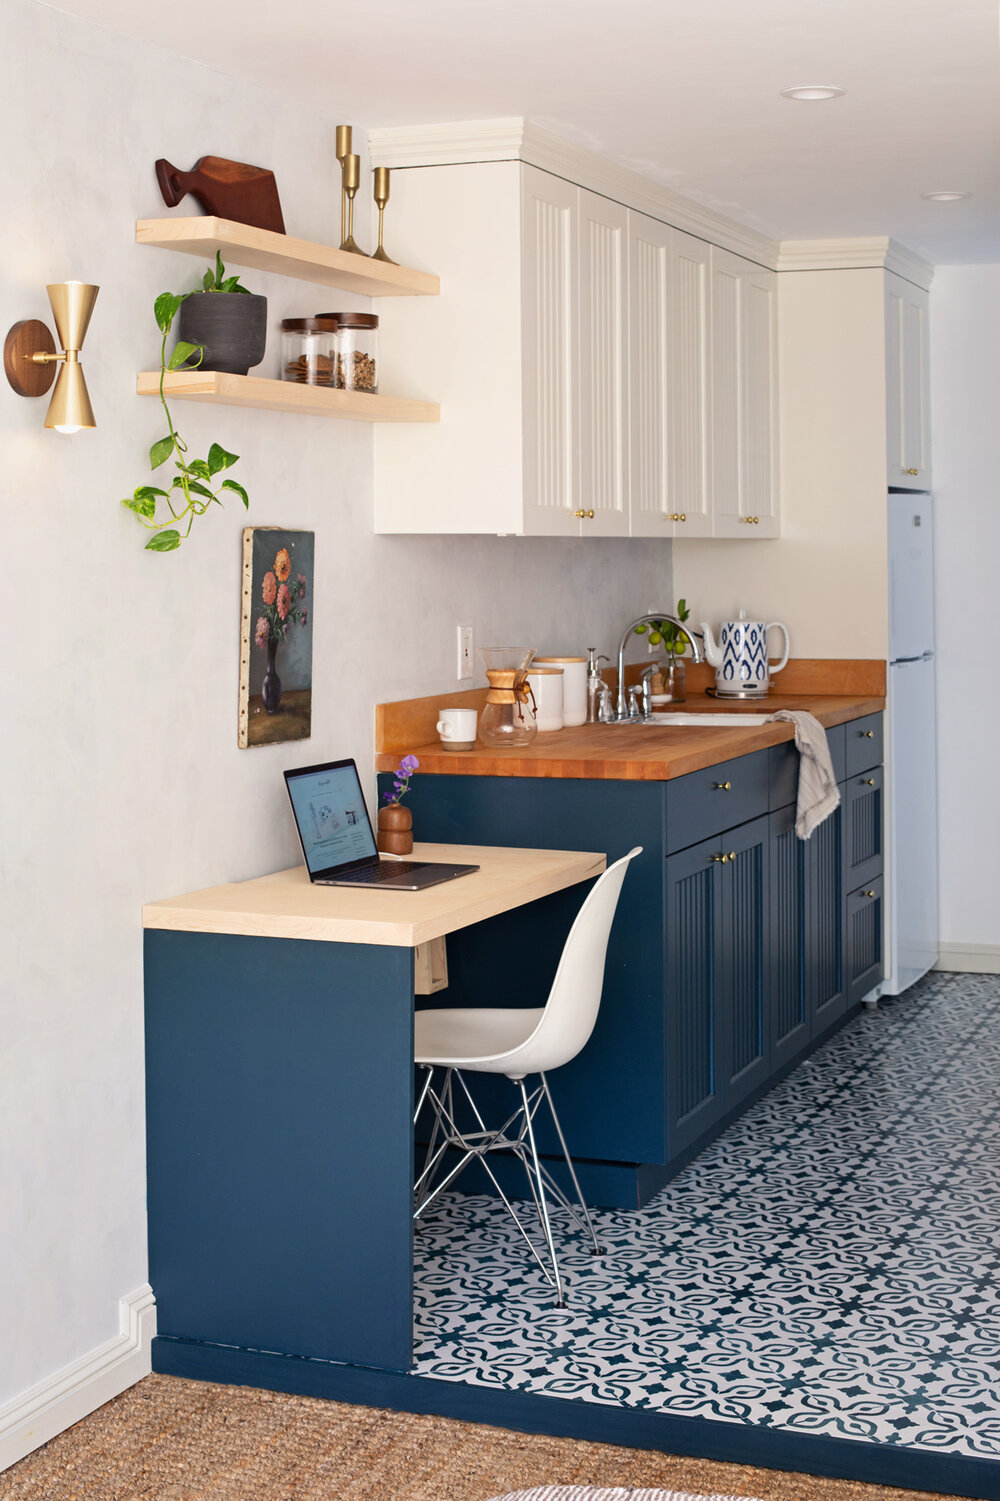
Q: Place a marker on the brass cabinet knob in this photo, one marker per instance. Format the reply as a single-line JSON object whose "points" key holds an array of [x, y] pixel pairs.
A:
{"points": [[732, 856], [866, 734], [750, 520], [868, 893], [582, 514], [720, 859], [912, 471], [677, 516], [868, 781], [722, 786]]}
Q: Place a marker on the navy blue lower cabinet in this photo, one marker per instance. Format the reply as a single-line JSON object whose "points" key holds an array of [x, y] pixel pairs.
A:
{"points": [[695, 1096], [864, 918], [788, 1014], [861, 796], [742, 914], [824, 985]]}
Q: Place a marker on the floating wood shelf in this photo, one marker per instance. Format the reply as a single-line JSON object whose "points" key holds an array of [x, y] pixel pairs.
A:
{"points": [[244, 245], [285, 396]]}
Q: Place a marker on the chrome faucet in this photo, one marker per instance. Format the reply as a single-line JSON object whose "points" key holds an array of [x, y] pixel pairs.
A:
{"points": [[622, 715]]}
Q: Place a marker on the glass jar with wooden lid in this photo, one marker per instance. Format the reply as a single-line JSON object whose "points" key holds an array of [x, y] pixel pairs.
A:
{"points": [[357, 351], [308, 350]]}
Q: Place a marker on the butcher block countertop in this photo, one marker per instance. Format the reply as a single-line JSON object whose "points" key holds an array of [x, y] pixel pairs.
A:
{"points": [[834, 692]]}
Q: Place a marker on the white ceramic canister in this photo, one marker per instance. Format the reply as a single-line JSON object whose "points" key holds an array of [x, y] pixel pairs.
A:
{"points": [[574, 669], [547, 688]]}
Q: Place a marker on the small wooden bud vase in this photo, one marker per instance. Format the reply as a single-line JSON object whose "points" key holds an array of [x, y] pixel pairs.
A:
{"points": [[395, 829]]}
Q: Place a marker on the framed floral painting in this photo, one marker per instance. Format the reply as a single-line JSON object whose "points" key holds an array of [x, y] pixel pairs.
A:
{"points": [[276, 636]]}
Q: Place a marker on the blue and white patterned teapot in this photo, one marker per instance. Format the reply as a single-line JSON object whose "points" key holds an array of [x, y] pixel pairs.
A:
{"points": [[740, 658]]}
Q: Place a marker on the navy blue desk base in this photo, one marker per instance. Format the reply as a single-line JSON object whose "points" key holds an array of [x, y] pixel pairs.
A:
{"points": [[279, 1121], [524, 1412]]}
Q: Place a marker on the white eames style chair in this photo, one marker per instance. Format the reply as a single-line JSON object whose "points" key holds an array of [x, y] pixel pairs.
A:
{"points": [[518, 1042]]}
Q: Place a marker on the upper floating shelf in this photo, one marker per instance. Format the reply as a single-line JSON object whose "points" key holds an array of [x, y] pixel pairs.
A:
{"points": [[244, 245]]}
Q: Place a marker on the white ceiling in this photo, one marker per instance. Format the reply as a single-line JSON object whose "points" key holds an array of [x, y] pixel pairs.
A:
{"points": [[684, 91]]}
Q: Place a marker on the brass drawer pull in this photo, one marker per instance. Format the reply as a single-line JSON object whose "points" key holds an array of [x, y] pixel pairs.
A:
{"points": [[912, 471], [866, 734], [581, 514], [677, 516], [868, 893], [867, 781], [720, 859], [722, 786]]}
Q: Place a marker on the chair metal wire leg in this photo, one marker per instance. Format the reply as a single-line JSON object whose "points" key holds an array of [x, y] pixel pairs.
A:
{"points": [[598, 1249], [543, 1208]]}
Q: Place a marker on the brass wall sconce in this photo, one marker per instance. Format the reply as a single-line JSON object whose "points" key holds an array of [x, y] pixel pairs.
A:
{"points": [[29, 355]]}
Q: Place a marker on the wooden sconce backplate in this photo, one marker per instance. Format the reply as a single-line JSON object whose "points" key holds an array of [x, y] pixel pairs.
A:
{"points": [[25, 339]]}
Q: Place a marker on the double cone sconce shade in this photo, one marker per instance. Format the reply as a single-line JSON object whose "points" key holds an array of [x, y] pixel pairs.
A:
{"points": [[29, 355]]}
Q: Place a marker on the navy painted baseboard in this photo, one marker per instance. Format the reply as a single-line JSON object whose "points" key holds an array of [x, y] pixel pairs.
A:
{"points": [[526, 1412]]}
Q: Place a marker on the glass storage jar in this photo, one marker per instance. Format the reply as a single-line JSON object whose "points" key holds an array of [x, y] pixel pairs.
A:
{"points": [[308, 350], [357, 351]]}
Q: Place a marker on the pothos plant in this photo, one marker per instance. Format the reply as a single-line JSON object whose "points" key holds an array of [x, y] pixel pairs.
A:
{"points": [[191, 490], [674, 641]]}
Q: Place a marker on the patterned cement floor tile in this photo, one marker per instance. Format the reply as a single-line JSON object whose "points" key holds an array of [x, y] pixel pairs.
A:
{"points": [[842, 1279]]}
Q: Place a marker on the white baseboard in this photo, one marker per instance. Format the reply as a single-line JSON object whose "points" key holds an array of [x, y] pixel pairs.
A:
{"points": [[970, 958], [63, 1399]]}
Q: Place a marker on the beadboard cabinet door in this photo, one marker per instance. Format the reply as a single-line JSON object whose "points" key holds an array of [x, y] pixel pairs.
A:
{"points": [[602, 366], [549, 341], [744, 392], [669, 332], [907, 365]]}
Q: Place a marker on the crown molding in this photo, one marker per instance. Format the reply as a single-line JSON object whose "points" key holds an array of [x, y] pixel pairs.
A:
{"points": [[516, 139], [874, 252]]}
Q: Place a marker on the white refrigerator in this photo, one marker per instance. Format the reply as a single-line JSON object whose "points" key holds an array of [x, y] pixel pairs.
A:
{"points": [[912, 857]]}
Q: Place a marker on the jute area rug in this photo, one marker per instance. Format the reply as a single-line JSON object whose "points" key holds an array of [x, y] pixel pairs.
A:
{"points": [[172, 1440]]}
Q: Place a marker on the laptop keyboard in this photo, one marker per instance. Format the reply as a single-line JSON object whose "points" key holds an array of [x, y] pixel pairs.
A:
{"points": [[379, 873]]}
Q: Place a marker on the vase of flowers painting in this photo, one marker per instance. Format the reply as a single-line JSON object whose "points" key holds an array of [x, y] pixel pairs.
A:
{"points": [[276, 650]]}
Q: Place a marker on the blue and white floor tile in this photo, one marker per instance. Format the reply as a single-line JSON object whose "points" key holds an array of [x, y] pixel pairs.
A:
{"points": [[830, 1265]]}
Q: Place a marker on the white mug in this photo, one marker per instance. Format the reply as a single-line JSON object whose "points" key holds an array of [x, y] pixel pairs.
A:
{"points": [[547, 687], [457, 728], [574, 705]]}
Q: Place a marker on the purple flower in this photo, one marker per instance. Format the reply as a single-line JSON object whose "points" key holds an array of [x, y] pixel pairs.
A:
{"points": [[300, 579], [304, 617], [402, 774], [261, 634]]}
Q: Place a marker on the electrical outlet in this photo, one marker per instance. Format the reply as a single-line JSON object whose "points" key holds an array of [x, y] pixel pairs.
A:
{"points": [[466, 651]]}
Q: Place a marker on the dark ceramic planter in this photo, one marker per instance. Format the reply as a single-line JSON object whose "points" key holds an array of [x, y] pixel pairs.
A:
{"points": [[231, 325]]}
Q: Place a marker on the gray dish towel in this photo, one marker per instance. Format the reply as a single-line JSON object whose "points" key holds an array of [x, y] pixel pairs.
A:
{"points": [[818, 791]]}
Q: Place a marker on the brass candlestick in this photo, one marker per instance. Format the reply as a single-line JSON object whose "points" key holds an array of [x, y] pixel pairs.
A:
{"points": [[381, 195], [352, 181], [343, 152]]}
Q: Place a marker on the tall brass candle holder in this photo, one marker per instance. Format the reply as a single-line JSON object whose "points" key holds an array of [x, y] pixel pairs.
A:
{"points": [[381, 195], [352, 181], [343, 152]]}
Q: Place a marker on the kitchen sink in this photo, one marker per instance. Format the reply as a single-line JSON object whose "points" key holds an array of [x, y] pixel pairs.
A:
{"points": [[705, 718]]}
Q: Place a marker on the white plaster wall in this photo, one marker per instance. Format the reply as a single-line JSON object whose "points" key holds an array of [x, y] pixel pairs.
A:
{"points": [[965, 398], [826, 576], [121, 777]]}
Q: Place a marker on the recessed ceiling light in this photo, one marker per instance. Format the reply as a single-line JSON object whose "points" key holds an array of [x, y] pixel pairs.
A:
{"points": [[814, 91], [948, 197]]}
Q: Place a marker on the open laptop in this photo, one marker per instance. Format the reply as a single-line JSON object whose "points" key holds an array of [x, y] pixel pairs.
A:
{"points": [[336, 834]]}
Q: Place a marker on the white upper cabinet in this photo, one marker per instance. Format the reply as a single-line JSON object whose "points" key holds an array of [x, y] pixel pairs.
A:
{"points": [[600, 373], [602, 366], [669, 333], [744, 405], [549, 339], [907, 384]]}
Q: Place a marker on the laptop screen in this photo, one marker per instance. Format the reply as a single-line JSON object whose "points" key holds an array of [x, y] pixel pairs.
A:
{"points": [[330, 812]]}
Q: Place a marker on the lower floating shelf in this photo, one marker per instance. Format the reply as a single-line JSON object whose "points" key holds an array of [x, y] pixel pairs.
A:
{"points": [[285, 396]]}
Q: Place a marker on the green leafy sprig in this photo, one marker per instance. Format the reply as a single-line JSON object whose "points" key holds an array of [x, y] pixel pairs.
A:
{"points": [[674, 641], [191, 490]]}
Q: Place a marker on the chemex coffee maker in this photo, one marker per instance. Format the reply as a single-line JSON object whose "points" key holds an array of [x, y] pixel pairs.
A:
{"points": [[740, 657]]}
